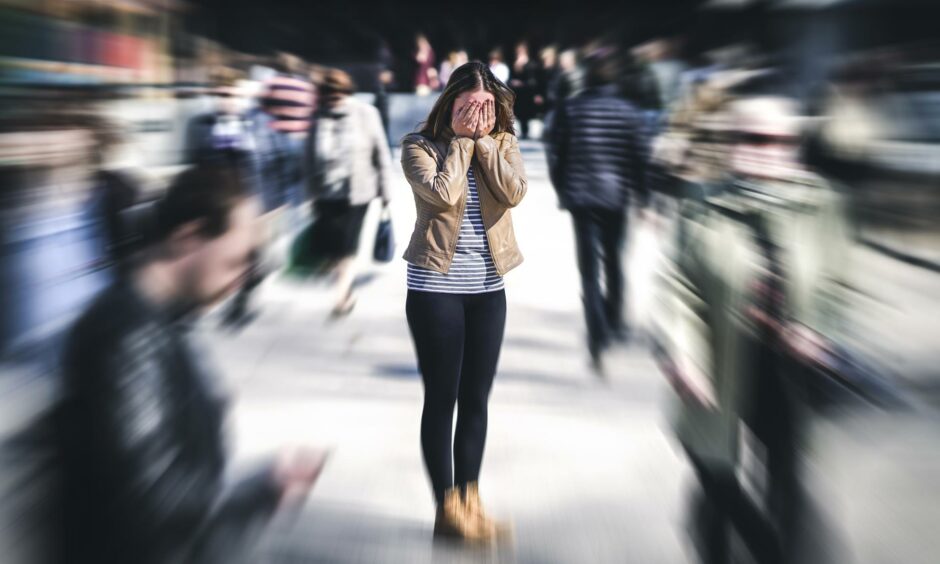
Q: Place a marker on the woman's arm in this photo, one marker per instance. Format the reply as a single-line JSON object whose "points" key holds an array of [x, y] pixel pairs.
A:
{"points": [[505, 175], [440, 188]]}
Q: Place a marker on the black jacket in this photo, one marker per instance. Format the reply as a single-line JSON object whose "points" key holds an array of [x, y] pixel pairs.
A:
{"points": [[597, 151], [140, 436]]}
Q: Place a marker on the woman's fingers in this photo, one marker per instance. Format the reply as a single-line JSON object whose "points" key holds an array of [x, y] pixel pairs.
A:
{"points": [[470, 113], [464, 112]]}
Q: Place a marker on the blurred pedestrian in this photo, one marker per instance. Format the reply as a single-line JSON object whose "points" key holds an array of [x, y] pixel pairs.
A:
{"points": [[114, 192], [349, 163], [386, 80], [426, 79], [662, 57], [278, 127], [569, 81], [565, 80], [524, 82], [223, 135], [597, 165], [466, 173], [545, 74], [799, 224], [140, 423], [454, 60], [498, 66], [756, 296]]}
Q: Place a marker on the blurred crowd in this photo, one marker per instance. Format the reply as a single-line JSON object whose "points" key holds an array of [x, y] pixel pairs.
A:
{"points": [[756, 185]]}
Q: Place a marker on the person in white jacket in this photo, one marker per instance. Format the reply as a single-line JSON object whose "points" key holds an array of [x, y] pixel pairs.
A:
{"points": [[349, 164]]}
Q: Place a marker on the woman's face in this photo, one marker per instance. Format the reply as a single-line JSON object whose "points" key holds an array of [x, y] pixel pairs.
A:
{"points": [[465, 98]]}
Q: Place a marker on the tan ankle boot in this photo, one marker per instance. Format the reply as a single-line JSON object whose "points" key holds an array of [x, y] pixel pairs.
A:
{"points": [[478, 517], [453, 521]]}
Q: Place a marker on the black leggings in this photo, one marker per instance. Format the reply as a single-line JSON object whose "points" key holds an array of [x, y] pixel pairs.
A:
{"points": [[457, 338]]}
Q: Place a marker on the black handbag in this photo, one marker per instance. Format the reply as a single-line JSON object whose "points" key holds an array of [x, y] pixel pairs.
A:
{"points": [[384, 249]]}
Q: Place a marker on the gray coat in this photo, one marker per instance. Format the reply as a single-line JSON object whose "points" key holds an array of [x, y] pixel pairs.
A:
{"points": [[704, 326]]}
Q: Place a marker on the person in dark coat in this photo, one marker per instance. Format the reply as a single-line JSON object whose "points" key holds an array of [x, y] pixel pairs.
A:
{"points": [[139, 427], [597, 162], [524, 82]]}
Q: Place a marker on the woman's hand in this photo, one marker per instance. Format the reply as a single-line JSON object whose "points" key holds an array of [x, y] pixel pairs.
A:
{"points": [[465, 121], [487, 120]]}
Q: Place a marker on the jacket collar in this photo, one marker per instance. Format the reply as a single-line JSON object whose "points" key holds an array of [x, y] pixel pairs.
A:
{"points": [[602, 90]]}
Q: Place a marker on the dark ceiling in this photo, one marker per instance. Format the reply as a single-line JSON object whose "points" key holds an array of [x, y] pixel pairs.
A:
{"points": [[352, 30]]}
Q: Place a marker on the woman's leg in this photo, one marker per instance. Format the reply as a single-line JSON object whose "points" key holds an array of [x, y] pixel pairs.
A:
{"points": [[485, 321], [437, 328], [345, 271], [348, 248]]}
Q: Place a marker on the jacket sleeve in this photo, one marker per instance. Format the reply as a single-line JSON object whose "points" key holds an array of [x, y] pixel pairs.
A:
{"points": [[557, 150], [639, 159], [505, 175], [381, 157], [683, 331], [440, 188]]}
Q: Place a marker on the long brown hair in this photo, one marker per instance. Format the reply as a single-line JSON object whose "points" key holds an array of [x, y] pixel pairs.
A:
{"points": [[470, 77]]}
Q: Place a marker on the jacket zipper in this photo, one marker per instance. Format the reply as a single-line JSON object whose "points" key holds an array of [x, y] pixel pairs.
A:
{"points": [[463, 206], [486, 229]]}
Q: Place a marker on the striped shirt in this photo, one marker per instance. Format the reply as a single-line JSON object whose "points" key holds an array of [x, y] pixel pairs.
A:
{"points": [[290, 101], [472, 270]]}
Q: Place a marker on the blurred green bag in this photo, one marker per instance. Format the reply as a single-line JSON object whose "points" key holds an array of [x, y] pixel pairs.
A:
{"points": [[304, 261]]}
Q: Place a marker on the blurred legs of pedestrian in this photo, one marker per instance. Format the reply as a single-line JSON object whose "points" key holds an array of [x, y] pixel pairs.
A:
{"points": [[774, 419], [338, 227], [345, 276], [523, 127], [599, 237], [723, 505], [240, 311]]}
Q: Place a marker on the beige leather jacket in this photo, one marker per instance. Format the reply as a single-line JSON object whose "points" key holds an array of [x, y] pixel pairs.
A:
{"points": [[437, 173]]}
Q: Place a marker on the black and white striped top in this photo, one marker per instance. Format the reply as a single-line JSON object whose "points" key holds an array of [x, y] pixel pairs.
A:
{"points": [[472, 270]]}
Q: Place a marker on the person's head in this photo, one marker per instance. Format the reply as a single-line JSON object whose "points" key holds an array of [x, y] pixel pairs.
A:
{"points": [[473, 81], [522, 49], [496, 56], [601, 67], [549, 56], [205, 233], [767, 134], [568, 60], [459, 57], [334, 86], [226, 91], [288, 63], [421, 41]]}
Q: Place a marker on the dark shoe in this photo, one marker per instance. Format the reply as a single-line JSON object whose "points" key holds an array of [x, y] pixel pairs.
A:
{"points": [[621, 334], [344, 308], [238, 315], [597, 360]]}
